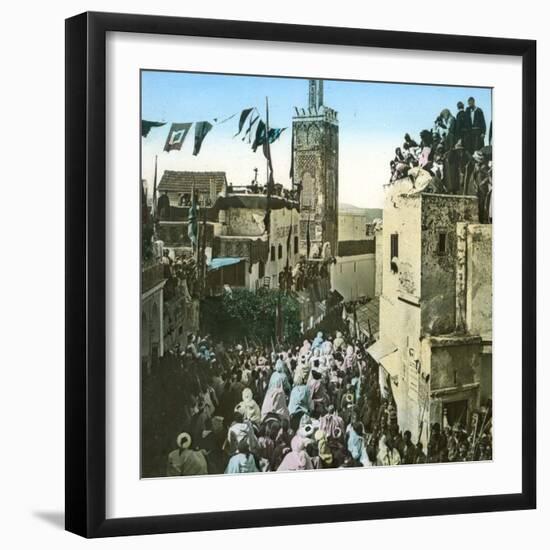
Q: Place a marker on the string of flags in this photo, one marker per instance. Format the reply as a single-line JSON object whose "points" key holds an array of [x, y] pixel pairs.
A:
{"points": [[251, 128]]}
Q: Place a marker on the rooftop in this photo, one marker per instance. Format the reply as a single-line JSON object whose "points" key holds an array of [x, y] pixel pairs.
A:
{"points": [[368, 315], [254, 201], [174, 181]]}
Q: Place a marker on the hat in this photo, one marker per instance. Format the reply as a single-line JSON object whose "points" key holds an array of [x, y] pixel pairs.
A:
{"points": [[184, 440], [307, 430]]}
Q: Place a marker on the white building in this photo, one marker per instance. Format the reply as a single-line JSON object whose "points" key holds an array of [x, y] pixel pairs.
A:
{"points": [[353, 274], [435, 345]]}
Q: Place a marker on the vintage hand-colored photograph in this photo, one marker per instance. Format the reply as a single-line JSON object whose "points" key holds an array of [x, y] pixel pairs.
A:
{"points": [[316, 274]]}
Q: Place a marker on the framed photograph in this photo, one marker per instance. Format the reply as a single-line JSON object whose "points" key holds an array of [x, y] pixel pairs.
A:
{"points": [[290, 294]]}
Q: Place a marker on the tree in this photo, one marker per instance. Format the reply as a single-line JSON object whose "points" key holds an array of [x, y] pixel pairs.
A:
{"points": [[242, 313]]}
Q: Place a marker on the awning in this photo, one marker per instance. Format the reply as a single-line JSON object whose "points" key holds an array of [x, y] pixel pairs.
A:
{"points": [[218, 263], [392, 364], [380, 349]]}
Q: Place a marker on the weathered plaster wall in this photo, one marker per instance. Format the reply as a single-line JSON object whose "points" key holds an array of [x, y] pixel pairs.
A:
{"points": [[453, 366], [440, 215], [456, 375], [479, 286], [378, 259], [400, 319], [245, 221], [351, 227], [402, 216], [249, 222], [353, 276]]}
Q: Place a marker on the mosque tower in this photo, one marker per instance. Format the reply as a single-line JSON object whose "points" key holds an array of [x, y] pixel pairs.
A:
{"points": [[315, 167]]}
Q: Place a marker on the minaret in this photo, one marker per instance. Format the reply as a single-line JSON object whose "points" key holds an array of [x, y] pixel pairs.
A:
{"points": [[315, 167], [315, 94]]}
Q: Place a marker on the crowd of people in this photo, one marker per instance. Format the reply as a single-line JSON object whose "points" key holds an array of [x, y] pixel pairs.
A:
{"points": [[180, 272], [317, 405], [453, 154]]}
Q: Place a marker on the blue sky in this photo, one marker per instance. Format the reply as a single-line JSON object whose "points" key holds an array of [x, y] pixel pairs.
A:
{"points": [[373, 117]]}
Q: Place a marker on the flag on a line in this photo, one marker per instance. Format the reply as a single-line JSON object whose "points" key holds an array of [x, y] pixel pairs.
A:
{"points": [[244, 115], [223, 121], [275, 134], [251, 123], [201, 129], [261, 132], [260, 135], [176, 136], [146, 126]]}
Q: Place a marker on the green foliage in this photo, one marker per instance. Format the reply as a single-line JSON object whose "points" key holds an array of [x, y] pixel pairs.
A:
{"points": [[252, 315]]}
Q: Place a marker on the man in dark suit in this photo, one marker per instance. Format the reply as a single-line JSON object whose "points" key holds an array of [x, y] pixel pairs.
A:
{"points": [[462, 124], [478, 127]]}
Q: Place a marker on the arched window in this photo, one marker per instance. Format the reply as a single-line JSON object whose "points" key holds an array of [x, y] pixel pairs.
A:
{"points": [[280, 251], [296, 244], [272, 255]]}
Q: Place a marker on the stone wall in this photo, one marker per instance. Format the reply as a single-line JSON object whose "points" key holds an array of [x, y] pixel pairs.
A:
{"points": [[456, 376], [455, 363], [440, 215], [479, 287]]}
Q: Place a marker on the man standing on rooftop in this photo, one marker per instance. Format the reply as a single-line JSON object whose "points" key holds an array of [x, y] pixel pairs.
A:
{"points": [[478, 126]]}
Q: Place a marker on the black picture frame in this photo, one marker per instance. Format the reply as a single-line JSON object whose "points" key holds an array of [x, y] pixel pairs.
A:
{"points": [[86, 275]]}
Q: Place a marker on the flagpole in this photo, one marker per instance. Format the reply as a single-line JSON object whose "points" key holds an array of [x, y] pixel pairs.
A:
{"points": [[203, 252], [268, 148], [194, 207], [154, 206], [267, 154], [267, 140]]}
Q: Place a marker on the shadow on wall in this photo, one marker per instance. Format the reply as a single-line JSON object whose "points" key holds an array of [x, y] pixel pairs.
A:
{"points": [[54, 518]]}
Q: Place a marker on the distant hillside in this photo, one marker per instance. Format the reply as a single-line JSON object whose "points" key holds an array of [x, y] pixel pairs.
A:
{"points": [[370, 213]]}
